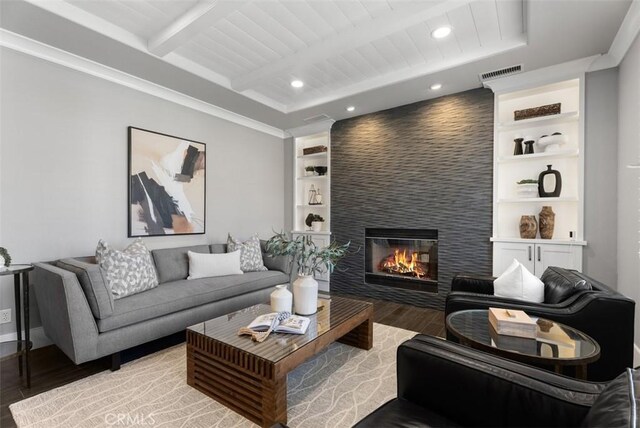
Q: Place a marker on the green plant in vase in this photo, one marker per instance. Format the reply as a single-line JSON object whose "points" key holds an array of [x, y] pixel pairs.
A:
{"points": [[310, 259], [5, 259]]}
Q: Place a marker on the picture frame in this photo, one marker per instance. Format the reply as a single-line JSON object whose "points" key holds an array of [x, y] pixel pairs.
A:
{"points": [[167, 184]]}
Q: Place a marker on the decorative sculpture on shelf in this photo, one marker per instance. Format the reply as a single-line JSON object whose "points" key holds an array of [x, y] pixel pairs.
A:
{"points": [[542, 192]]}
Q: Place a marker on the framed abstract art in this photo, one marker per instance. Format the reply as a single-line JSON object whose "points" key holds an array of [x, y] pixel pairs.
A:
{"points": [[167, 184]]}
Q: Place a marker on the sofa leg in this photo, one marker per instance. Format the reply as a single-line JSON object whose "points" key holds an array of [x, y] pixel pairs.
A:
{"points": [[115, 362]]}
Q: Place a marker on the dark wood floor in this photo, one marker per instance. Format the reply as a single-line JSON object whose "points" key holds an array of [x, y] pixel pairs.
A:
{"points": [[50, 368]]}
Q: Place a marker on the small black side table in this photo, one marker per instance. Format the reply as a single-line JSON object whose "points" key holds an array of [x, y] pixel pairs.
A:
{"points": [[23, 346]]}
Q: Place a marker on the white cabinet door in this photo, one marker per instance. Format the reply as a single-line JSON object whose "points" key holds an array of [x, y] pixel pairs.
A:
{"points": [[505, 252], [565, 256]]}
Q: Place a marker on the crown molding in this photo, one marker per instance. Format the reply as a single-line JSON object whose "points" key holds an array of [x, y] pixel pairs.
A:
{"points": [[625, 36], [311, 128], [52, 54]]}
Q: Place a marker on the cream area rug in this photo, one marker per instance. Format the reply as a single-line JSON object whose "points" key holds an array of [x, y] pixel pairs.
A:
{"points": [[336, 388]]}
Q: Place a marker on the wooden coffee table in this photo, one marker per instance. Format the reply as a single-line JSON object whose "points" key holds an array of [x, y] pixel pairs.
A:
{"points": [[251, 378]]}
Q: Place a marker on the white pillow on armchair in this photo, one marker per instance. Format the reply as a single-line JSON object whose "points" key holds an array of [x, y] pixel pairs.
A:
{"points": [[518, 283]]}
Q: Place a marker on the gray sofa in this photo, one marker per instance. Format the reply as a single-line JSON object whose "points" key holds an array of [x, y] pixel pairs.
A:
{"points": [[81, 317]]}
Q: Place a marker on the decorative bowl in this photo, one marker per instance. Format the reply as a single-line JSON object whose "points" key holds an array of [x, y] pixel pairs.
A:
{"points": [[551, 143], [321, 170]]}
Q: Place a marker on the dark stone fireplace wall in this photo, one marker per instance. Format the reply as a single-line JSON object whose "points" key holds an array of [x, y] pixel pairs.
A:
{"points": [[423, 165]]}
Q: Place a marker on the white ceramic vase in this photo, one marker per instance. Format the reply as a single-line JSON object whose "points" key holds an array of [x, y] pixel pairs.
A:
{"points": [[2, 266], [317, 226], [305, 295], [281, 299]]}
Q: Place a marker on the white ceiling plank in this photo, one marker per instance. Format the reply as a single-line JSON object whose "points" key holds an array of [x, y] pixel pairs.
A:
{"points": [[260, 34], [353, 10], [389, 52], [375, 8], [485, 17], [464, 28], [372, 56], [426, 44], [402, 42], [346, 40], [314, 22], [507, 10], [226, 30], [354, 57], [215, 35], [200, 17], [289, 21], [331, 14], [275, 28]]}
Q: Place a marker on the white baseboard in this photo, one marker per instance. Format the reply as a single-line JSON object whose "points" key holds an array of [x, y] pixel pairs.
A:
{"points": [[38, 338]]}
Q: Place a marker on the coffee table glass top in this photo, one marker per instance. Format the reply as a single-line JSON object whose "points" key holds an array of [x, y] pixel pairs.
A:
{"points": [[332, 311], [555, 342]]}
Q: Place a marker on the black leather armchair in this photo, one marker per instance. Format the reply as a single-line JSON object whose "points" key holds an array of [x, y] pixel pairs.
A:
{"points": [[601, 312], [441, 383]]}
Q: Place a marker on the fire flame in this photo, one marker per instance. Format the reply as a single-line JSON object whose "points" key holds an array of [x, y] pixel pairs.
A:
{"points": [[400, 263]]}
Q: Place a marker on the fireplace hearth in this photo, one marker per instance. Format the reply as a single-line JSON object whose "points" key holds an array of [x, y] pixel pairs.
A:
{"points": [[403, 258]]}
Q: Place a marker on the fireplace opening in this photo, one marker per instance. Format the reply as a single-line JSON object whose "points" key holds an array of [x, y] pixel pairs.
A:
{"points": [[404, 258]]}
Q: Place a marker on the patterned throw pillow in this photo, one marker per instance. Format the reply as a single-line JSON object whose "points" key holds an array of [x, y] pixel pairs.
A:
{"points": [[129, 271], [250, 253]]}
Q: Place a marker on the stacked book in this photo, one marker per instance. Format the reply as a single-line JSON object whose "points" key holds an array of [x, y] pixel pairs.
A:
{"points": [[512, 323]]}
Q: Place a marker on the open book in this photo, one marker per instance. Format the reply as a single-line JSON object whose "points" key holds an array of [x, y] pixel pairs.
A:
{"points": [[294, 324]]}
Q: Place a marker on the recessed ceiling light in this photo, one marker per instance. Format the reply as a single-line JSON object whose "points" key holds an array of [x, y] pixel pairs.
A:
{"points": [[441, 32], [351, 108], [435, 86], [297, 83]]}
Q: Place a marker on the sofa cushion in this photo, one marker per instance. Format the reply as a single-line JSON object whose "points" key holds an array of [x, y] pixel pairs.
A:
{"points": [[281, 263], [250, 253], [93, 283], [218, 248], [617, 405], [560, 284], [518, 283], [210, 265], [129, 271], [181, 295], [172, 264]]}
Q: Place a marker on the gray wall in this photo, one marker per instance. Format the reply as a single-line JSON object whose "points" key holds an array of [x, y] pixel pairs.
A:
{"points": [[629, 179], [63, 166], [423, 165], [600, 183]]}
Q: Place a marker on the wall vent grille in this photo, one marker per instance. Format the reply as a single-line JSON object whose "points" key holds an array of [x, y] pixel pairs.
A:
{"points": [[490, 75]]}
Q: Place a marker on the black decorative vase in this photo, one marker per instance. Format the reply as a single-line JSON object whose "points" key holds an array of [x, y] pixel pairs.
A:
{"points": [[558, 188], [528, 147], [517, 150]]}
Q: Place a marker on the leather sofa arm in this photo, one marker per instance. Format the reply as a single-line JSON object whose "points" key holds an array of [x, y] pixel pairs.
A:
{"points": [[473, 388], [472, 284]]}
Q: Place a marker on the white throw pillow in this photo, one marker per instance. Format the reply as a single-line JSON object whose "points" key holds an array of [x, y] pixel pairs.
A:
{"points": [[209, 265], [518, 283]]}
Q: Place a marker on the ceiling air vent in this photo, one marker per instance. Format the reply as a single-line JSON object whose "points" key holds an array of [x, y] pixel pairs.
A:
{"points": [[490, 75], [317, 118]]}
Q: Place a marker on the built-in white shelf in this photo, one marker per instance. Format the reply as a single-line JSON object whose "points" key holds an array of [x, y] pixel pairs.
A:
{"points": [[313, 177], [313, 156], [558, 154], [538, 200], [312, 206], [540, 121], [539, 241], [311, 232]]}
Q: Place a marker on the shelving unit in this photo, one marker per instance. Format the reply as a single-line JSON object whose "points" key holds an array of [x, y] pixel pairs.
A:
{"points": [[302, 186], [538, 253]]}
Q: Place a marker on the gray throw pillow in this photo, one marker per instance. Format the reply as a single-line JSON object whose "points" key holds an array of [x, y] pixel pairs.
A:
{"points": [[129, 271], [250, 253]]}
